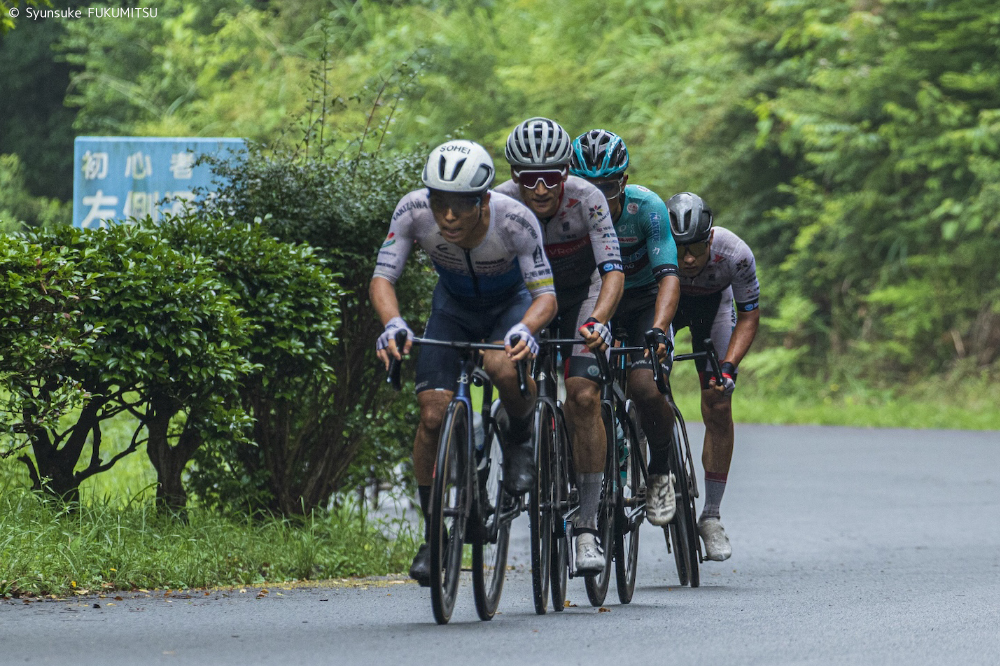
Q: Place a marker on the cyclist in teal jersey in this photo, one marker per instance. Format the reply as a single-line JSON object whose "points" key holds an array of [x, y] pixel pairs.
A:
{"points": [[652, 291]]}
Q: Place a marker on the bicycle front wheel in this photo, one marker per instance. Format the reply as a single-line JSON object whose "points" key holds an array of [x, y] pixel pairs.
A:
{"points": [[450, 506], [540, 509], [631, 505], [597, 585], [489, 548], [561, 486], [683, 530]]}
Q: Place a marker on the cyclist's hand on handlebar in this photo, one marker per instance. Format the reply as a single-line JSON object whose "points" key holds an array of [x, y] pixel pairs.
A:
{"points": [[728, 383], [386, 343], [664, 348], [596, 335], [526, 347]]}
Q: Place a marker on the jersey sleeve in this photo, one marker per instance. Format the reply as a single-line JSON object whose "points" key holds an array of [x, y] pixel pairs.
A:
{"points": [[526, 244], [603, 238], [660, 246], [397, 244], [746, 288]]}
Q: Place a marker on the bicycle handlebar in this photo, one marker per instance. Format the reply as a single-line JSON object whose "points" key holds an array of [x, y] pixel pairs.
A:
{"points": [[709, 353], [395, 365], [652, 342]]}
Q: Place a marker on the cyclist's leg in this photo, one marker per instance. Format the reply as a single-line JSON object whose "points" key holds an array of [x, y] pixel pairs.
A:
{"points": [[519, 469], [635, 317], [717, 413], [583, 419], [435, 379]]}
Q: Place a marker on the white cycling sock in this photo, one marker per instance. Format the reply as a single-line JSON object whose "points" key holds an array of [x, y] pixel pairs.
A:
{"points": [[589, 486], [715, 486]]}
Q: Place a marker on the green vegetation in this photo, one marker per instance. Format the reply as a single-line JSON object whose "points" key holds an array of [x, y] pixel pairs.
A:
{"points": [[49, 548]]}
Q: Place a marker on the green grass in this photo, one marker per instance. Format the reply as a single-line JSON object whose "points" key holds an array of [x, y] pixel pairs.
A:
{"points": [[52, 549]]}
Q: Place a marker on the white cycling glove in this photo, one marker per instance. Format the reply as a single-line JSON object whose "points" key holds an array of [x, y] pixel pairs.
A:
{"points": [[393, 325], [602, 330], [728, 378], [525, 333]]}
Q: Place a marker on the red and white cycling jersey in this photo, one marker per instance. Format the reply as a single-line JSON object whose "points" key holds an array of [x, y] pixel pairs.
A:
{"points": [[731, 264]]}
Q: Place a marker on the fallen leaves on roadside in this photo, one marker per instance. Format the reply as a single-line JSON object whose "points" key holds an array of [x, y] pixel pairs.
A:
{"points": [[567, 604], [602, 609]]}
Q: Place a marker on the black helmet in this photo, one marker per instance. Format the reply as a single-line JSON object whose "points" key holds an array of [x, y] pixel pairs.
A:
{"points": [[690, 218]]}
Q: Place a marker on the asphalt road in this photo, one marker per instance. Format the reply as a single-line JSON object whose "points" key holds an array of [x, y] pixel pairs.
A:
{"points": [[850, 546]]}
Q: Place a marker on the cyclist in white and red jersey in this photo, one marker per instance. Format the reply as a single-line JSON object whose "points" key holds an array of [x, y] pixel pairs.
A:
{"points": [[494, 283], [717, 269], [580, 242], [652, 292]]}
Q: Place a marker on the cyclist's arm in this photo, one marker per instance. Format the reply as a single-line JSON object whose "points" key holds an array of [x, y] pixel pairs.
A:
{"points": [[746, 293], [747, 323], [662, 252], [383, 295], [607, 254]]}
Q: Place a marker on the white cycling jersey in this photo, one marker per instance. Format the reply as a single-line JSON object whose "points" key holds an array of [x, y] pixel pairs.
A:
{"points": [[731, 264], [509, 257], [580, 239]]}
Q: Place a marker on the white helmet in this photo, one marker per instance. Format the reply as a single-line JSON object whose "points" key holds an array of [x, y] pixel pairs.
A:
{"points": [[539, 142], [459, 166]]}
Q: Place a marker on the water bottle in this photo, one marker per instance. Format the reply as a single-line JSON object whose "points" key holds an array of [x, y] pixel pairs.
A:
{"points": [[478, 437]]}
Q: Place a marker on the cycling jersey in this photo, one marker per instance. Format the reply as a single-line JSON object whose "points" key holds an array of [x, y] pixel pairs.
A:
{"points": [[647, 246], [731, 264], [579, 238], [509, 257]]}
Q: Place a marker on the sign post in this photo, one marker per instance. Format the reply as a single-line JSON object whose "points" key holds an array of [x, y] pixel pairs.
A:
{"points": [[115, 178]]}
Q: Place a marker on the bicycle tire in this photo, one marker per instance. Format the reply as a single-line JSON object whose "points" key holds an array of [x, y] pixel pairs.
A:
{"points": [[489, 548], [631, 509], [561, 483], [450, 506], [597, 584], [684, 527], [540, 510]]}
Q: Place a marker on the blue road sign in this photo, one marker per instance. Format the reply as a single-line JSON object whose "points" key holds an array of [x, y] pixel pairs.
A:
{"points": [[116, 178]]}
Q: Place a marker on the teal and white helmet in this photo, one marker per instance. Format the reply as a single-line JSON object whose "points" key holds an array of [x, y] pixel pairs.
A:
{"points": [[459, 166], [538, 142], [598, 154]]}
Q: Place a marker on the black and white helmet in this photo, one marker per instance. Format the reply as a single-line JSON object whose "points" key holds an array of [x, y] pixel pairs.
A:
{"points": [[459, 166], [690, 218], [538, 142]]}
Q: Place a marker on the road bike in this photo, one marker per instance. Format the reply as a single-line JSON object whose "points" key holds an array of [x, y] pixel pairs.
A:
{"points": [[681, 534], [468, 502]]}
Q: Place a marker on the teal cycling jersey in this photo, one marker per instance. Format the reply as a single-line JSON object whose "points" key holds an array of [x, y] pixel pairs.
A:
{"points": [[649, 253]]}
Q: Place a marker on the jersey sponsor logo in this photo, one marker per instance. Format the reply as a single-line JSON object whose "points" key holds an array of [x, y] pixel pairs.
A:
{"points": [[384, 264], [718, 258], [538, 256], [388, 243], [611, 266], [461, 149], [525, 224], [632, 208], [560, 250], [408, 206], [596, 211], [742, 264], [747, 307], [608, 235], [572, 202], [535, 285], [625, 239], [654, 217], [641, 188]]}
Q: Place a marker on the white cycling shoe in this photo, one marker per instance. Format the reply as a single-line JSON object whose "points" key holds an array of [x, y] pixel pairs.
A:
{"points": [[589, 555], [661, 503], [717, 546]]}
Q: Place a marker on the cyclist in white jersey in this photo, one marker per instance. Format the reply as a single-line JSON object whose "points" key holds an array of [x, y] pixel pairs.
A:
{"points": [[580, 242], [716, 268], [495, 282]]}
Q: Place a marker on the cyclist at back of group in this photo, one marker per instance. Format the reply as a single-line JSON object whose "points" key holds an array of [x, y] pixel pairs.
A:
{"points": [[494, 282], [716, 268], [580, 242], [652, 291]]}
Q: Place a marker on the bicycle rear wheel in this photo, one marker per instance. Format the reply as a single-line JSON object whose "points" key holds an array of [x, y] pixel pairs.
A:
{"points": [[489, 548], [540, 508], [561, 485], [597, 585], [450, 506], [631, 508]]}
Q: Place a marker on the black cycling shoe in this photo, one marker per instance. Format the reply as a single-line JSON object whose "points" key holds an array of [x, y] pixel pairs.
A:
{"points": [[420, 570], [519, 471]]}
